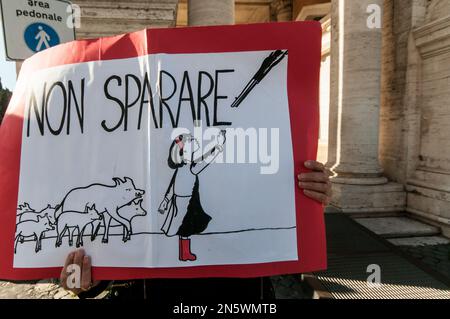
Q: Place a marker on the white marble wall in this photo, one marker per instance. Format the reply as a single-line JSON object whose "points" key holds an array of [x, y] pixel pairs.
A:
{"points": [[415, 121], [429, 183], [105, 17]]}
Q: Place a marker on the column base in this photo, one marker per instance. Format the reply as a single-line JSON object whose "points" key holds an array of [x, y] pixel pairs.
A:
{"points": [[442, 223], [430, 202], [371, 181], [364, 198]]}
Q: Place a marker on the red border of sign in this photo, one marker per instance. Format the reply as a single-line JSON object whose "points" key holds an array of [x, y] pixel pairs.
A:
{"points": [[302, 39]]}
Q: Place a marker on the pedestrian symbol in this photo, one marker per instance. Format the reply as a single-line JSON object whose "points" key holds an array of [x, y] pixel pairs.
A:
{"points": [[43, 38], [40, 36]]}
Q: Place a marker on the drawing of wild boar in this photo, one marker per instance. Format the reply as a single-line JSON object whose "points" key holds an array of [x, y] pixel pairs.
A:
{"points": [[31, 228], [105, 199]]}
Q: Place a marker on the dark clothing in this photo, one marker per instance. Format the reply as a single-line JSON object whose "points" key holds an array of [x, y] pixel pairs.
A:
{"points": [[196, 220], [188, 289]]}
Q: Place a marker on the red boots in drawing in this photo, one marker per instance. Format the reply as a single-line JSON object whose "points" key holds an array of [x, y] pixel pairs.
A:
{"points": [[185, 250]]}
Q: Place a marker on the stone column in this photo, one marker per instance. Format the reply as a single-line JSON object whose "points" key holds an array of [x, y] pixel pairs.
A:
{"points": [[210, 12], [359, 184], [281, 10]]}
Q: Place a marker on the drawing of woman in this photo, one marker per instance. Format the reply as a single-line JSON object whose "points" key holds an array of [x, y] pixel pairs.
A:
{"points": [[185, 215]]}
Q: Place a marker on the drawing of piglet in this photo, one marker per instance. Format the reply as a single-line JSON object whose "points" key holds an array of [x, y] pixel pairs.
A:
{"points": [[22, 209], [49, 211], [75, 221], [128, 211], [32, 228], [106, 199]]}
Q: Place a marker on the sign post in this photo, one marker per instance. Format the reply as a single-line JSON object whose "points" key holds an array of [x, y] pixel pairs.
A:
{"points": [[32, 26]]}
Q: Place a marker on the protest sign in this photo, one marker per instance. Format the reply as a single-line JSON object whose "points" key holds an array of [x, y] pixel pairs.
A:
{"points": [[165, 153]]}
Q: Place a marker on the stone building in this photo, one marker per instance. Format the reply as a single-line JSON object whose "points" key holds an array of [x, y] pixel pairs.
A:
{"points": [[385, 117]]}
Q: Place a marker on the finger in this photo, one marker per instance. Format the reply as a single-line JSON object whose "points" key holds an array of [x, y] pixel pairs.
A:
{"points": [[78, 258], [318, 187], [321, 198], [86, 274], [64, 274], [313, 177], [69, 260], [315, 166]]}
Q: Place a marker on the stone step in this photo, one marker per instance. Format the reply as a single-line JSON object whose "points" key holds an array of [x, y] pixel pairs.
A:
{"points": [[420, 241], [398, 227]]}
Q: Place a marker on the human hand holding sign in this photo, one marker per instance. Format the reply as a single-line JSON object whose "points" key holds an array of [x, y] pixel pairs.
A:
{"points": [[83, 261], [316, 185]]}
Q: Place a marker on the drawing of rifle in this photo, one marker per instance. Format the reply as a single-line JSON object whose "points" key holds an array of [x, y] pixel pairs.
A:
{"points": [[268, 64]]}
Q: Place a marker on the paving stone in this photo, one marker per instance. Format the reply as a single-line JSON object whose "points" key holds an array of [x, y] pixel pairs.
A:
{"points": [[435, 256], [420, 241], [397, 227], [288, 287], [61, 294], [44, 287]]}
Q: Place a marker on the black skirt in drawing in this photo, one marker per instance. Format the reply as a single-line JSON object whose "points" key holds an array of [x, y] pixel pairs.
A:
{"points": [[196, 220]]}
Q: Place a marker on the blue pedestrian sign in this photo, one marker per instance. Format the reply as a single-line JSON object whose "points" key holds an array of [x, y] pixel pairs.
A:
{"points": [[30, 27], [40, 36]]}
